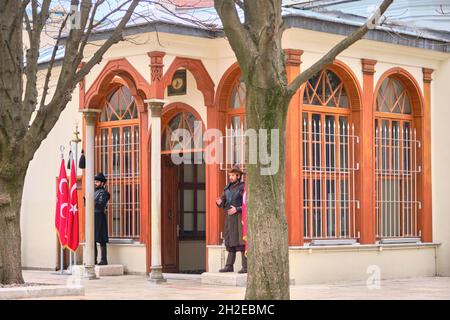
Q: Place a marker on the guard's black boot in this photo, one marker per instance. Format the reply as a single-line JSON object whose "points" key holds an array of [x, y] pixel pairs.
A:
{"points": [[244, 263], [230, 262], [104, 261], [96, 253]]}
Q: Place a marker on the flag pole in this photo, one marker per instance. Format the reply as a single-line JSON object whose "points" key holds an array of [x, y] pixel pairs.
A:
{"points": [[61, 249], [70, 159], [76, 139]]}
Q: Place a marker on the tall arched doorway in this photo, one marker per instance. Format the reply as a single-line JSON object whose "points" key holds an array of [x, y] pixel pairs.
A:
{"points": [[183, 201]]}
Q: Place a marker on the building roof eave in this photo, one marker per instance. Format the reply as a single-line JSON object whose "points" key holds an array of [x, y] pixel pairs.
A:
{"points": [[293, 20], [379, 34]]}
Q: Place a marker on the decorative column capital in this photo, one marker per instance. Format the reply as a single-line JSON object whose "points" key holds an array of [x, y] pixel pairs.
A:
{"points": [[156, 64], [427, 75], [293, 57], [90, 115], [155, 106], [368, 66]]}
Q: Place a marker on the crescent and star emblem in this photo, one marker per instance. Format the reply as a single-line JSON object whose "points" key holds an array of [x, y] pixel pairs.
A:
{"points": [[73, 208], [64, 180], [62, 208]]}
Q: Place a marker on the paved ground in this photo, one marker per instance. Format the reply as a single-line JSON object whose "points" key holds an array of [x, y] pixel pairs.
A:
{"points": [[137, 287]]}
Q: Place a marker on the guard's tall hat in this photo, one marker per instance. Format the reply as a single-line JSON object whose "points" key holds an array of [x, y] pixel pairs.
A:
{"points": [[100, 177]]}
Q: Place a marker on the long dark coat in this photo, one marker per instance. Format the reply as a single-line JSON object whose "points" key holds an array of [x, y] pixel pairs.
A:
{"points": [[101, 197], [233, 232]]}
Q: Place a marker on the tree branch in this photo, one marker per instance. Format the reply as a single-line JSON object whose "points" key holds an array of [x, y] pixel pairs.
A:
{"points": [[48, 115], [32, 56], [337, 49], [51, 63], [115, 38], [93, 25], [239, 37]]}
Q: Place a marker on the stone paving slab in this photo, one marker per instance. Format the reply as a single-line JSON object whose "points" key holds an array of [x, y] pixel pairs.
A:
{"points": [[39, 292], [137, 287], [228, 279]]}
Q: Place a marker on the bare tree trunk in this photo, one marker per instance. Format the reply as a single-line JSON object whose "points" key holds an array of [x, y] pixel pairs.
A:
{"points": [[21, 134], [12, 128], [268, 260], [10, 248]]}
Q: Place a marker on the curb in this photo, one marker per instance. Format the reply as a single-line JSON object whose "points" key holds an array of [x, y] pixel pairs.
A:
{"points": [[40, 292]]}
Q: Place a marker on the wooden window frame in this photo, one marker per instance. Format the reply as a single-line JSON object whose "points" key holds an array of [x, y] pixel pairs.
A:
{"points": [[128, 215], [195, 186], [336, 112], [401, 118]]}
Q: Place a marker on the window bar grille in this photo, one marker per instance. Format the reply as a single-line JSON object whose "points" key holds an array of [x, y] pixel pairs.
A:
{"points": [[235, 148], [329, 166], [397, 169], [310, 185], [117, 152]]}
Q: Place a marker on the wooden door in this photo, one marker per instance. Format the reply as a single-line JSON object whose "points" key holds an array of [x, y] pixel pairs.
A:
{"points": [[169, 214]]}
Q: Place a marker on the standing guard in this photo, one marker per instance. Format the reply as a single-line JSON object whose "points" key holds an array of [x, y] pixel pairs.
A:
{"points": [[101, 197], [231, 201]]}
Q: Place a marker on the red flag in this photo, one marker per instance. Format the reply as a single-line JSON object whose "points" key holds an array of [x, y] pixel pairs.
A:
{"points": [[72, 220], [62, 204]]}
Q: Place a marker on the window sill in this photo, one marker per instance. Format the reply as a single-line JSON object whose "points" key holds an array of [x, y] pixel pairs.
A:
{"points": [[366, 247], [122, 244]]}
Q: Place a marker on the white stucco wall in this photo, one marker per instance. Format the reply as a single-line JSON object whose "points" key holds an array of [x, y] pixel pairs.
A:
{"points": [[131, 256], [347, 263], [440, 150]]}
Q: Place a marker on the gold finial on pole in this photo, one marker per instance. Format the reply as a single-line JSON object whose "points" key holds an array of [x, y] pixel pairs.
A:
{"points": [[76, 138]]}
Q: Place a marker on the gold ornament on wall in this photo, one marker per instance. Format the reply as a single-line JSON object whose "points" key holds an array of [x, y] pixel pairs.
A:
{"points": [[178, 85]]}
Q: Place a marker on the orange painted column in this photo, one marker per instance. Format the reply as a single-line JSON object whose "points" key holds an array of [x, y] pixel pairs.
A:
{"points": [[212, 186], [365, 189], [156, 67], [426, 218], [156, 92], [293, 176]]}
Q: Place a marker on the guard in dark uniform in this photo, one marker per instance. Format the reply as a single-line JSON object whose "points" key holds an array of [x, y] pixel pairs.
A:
{"points": [[231, 201], [101, 197]]}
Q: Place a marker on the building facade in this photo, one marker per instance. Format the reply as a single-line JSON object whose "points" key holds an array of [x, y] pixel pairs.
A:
{"points": [[366, 153]]}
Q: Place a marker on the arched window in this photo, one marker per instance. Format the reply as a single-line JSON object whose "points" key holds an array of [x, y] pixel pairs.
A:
{"points": [[192, 126], [328, 159], [119, 106], [396, 162], [117, 156], [236, 124]]}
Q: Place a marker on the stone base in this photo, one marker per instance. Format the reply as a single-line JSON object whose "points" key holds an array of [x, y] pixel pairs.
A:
{"points": [[157, 281], [40, 292], [228, 279], [156, 276], [81, 272], [109, 270]]}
